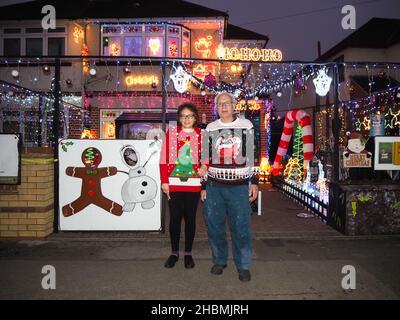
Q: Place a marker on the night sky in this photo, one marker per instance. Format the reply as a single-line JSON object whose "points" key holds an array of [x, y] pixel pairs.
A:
{"points": [[296, 26]]}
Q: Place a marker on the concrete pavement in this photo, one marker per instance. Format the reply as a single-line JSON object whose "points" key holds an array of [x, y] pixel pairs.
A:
{"points": [[293, 259], [282, 269]]}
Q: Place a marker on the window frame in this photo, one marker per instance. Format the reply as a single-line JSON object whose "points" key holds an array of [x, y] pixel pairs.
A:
{"points": [[23, 35], [145, 35]]}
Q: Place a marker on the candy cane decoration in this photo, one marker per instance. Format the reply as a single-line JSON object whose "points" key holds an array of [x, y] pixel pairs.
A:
{"points": [[304, 121]]}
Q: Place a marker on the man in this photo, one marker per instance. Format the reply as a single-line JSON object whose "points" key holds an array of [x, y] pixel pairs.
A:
{"points": [[232, 184]]}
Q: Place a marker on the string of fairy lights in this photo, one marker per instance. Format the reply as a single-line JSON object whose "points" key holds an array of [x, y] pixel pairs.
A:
{"points": [[23, 88]]}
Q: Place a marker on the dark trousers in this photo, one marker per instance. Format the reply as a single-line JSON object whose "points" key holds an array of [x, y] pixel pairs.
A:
{"points": [[182, 205]]}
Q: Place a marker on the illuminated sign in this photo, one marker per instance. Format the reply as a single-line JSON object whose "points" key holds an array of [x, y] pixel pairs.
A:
{"points": [[180, 79], [78, 33], [154, 45], [141, 80], [203, 69], [203, 45], [250, 105], [114, 49], [236, 68], [248, 54]]}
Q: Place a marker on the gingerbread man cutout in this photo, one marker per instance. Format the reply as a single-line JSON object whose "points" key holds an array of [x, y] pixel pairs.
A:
{"points": [[91, 177]]}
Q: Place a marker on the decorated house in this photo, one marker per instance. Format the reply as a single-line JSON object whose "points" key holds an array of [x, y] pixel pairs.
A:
{"points": [[125, 42], [106, 70], [351, 96]]}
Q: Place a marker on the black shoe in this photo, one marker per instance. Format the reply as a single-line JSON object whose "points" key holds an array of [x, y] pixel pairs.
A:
{"points": [[217, 269], [244, 275], [170, 263], [189, 263]]}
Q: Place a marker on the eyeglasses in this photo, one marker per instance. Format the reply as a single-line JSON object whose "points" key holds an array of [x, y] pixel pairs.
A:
{"points": [[228, 104], [186, 116]]}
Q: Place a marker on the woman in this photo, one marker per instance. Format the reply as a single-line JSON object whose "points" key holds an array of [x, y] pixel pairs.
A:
{"points": [[180, 180]]}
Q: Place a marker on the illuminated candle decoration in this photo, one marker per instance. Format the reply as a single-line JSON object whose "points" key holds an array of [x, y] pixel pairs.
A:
{"points": [[154, 45], [203, 46], [180, 79], [322, 82]]}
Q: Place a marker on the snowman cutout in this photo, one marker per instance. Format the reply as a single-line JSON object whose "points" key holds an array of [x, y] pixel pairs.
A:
{"points": [[139, 188]]}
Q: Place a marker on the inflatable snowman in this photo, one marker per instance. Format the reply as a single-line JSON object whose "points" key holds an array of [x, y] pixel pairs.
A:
{"points": [[139, 188]]}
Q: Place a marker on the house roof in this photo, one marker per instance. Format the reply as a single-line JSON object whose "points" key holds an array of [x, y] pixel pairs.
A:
{"points": [[376, 33], [378, 83], [237, 33], [103, 9]]}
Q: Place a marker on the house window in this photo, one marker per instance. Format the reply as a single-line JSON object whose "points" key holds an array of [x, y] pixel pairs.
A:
{"points": [[12, 47], [107, 121], [34, 47], [154, 46], [173, 47], [33, 30], [57, 30], [33, 41], [12, 30], [113, 47], [56, 47], [133, 46], [145, 40]]}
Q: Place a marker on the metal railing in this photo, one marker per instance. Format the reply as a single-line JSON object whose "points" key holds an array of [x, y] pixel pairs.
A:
{"points": [[301, 197]]}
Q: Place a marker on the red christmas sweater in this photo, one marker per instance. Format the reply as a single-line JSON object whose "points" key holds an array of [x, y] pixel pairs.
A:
{"points": [[180, 160]]}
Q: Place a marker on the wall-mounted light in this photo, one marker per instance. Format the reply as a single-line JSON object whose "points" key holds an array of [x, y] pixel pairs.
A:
{"points": [[127, 70], [15, 74], [92, 72], [46, 69]]}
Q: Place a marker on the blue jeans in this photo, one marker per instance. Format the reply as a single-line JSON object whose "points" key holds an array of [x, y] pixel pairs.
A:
{"points": [[230, 202]]}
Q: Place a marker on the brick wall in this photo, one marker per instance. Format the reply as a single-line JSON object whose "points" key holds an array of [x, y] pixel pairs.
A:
{"points": [[27, 210], [204, 105], [264, 135]]}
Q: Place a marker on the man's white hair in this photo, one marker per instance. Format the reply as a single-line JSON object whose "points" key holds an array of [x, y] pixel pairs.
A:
{"points": [[233, 99]]}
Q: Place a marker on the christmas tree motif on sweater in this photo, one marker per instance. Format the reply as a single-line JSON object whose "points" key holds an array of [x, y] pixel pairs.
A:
{"points": [[184, 168]]}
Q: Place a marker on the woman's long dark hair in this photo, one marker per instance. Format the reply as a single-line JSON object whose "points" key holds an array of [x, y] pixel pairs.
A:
{"points": [[191, 107]]}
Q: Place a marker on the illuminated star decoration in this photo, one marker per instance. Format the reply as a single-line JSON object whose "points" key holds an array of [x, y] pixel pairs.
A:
{"points": [[396, 119], [358, 125], [322, 82], [366, 123], [388, 119], [180, 79]]}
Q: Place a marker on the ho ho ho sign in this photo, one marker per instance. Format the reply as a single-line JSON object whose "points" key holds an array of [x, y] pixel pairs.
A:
{"points": [[248, 54]]}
